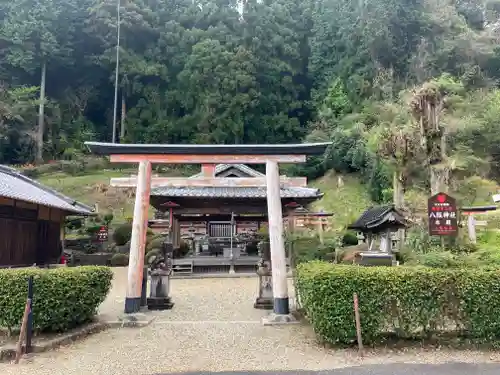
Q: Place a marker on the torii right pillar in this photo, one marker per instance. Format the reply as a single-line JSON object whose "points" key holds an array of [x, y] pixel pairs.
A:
{"points": [[281, 309]]}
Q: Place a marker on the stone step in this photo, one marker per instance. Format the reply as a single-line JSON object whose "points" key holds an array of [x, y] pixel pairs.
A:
{"points": [[184, 269]]}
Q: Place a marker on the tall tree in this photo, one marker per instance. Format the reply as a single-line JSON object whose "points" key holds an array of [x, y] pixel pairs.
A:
{"points": [[34, 37]]}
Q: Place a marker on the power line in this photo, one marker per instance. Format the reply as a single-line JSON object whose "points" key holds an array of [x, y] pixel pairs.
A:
{"points": [[115, 107]]}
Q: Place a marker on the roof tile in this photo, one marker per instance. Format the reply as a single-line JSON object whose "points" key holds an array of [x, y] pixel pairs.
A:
{"points": [[233, 192], [15, 185]]}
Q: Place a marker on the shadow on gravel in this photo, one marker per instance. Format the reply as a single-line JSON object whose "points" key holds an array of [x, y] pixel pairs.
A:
{"points": [[389, 369]]}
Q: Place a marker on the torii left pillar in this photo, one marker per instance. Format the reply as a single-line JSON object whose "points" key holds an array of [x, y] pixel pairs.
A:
{"points": [[138, 240]]}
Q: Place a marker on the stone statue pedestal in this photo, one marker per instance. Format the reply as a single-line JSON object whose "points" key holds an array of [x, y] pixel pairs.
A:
{"points": [[265, 300], [159, 298]]}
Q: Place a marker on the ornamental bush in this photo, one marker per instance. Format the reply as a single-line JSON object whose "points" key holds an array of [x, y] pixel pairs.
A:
{"points": [[404, 302], [63, 298], [119, 260], [122, 234]]}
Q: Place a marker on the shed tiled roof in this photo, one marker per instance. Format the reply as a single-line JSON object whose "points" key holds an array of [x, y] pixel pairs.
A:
{"points": [[377, 216], [219, 168], [15, 185], [233, 192]]}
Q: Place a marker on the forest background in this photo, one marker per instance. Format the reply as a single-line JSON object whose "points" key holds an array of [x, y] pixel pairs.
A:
{"points": [[407, 90]]}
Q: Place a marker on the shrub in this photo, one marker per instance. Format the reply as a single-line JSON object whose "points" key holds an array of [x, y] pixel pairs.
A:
{"points": [[63, 298], [181, 251], [349, 239], [122, 234], [119, 260], [406, 302], [93, 229], [438, 259], [306, 249], [108, 218], [155, 243]]}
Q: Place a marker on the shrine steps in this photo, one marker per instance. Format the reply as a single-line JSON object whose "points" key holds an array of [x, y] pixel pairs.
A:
{"points": [[182, 269]]}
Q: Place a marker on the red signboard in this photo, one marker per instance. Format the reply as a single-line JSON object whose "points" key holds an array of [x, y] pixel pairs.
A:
{"points": [[442, 215], [102, 234]]}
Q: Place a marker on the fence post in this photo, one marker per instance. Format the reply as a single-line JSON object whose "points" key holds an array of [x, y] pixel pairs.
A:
{"points": [[29, 328], [144, 290]]}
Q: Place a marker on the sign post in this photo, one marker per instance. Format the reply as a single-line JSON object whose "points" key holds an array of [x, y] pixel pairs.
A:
{"points": [[442, 214]]}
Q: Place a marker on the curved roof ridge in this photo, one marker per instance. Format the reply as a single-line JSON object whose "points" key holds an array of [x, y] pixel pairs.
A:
{"points": [[219, 168]]}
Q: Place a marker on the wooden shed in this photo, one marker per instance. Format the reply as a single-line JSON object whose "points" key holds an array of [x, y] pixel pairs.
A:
{"points": [[32, 218]]}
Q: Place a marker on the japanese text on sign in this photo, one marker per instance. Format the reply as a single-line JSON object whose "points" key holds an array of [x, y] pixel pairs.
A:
{"points": [[442, 215], [102, 234]]}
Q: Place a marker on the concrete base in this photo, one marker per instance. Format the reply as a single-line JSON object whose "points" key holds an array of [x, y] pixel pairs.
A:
{"points": [[164, 303], [279, 319], [42, 343], [134, 320], [264, 303]]}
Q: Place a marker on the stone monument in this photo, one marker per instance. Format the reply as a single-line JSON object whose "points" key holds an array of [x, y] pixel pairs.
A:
{"points": [[265, 299]]}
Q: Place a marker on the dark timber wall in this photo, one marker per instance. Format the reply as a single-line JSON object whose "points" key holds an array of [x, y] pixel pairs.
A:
{"points": [[29, 233]]}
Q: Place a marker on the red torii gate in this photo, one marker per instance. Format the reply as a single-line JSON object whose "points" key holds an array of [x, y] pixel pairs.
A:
{"points": [[207, 155]]}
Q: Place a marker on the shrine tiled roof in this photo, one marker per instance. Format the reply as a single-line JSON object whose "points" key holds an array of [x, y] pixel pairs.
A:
{"points": [[378, 216], [233, 192], [15, 185]]}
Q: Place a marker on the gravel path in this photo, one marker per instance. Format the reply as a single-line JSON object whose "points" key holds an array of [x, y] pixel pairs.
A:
{"points": [[212, 327], [392, 369]]}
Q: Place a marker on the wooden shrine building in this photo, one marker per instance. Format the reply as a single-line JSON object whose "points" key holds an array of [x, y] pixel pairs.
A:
{"points": [[213, 217], [32, 218]]}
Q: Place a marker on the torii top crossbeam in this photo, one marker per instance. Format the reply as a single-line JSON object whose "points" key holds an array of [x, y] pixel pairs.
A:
{"points": [[199, 154]]}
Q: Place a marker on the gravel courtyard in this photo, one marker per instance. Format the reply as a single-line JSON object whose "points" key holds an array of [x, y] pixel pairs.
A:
{"points": [[212, 327]]}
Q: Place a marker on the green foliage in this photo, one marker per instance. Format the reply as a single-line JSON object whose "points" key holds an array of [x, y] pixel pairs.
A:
{"points": [[119, 260], [122, 234], [349, 238], [155, 243], [346, 201], [77, 167], [92, 228], [438, 259], [306, 249], [405, 302], [276, 72], [108, 218], [63, 298]]}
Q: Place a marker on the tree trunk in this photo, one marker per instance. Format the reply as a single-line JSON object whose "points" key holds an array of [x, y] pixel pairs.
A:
{"points": [[440, 173], [122, 118], [398, 200], [398, 189], [41, 114], [439, 177]]}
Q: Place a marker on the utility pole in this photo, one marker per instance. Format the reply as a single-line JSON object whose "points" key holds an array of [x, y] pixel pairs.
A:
{"points": [[115, 107]]}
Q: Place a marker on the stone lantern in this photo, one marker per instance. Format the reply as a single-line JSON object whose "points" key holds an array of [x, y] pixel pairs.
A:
{"points": [[160, 271], [265, 299]]}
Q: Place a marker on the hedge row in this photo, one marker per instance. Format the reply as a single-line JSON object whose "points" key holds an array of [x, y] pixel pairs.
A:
{"points": [[405, 302], [63, 298]]}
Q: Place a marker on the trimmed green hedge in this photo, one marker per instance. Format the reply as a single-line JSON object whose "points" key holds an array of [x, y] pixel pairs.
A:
{"points": [[402, 302], [63, 298]]}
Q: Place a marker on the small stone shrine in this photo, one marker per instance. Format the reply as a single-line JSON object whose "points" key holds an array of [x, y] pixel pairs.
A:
{"points": [[378, 222]]}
